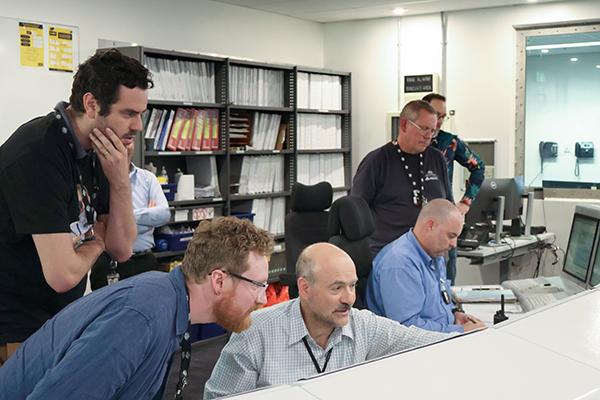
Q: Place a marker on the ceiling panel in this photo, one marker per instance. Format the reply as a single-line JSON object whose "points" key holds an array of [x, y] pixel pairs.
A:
{"points": [[342, 10]]}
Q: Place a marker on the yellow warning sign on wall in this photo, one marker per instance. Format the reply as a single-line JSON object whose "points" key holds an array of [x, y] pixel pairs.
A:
{"points": [[31, 42]]}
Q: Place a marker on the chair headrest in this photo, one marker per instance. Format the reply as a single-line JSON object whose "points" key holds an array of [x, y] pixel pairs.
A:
{"points": [[315, 197], [351, 217]]}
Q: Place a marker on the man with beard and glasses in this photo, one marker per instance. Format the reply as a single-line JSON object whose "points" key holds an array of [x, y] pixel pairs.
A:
{"points": [[408, 282], [318, 332], [117, 342], [65, 194]]}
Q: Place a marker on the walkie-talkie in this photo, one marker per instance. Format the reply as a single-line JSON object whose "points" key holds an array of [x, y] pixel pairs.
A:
{"points": [[500, 316]]}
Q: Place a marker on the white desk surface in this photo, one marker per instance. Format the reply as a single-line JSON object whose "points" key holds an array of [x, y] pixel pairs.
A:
{"points": [[492, 366], [570, 327], [284, 392]]}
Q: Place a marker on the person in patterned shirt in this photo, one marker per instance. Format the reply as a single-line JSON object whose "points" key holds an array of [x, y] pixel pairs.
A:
{"points": [[455, 149]]}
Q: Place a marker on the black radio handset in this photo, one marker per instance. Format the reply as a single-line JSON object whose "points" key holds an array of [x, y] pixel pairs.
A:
{"points": [[500, 316]]}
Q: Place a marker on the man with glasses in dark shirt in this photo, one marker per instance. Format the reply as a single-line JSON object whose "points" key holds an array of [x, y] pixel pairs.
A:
{"points": [[398, 178]]}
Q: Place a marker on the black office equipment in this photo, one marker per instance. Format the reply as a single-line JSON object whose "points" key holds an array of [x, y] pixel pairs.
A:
{"points": [[305, 224], [500, 315], [350, 225], [584, 150], [484, 209], [548, 150]]}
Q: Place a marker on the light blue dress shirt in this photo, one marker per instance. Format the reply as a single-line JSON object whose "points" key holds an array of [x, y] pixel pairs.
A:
{"points": [[145, 188], [406, 285]]}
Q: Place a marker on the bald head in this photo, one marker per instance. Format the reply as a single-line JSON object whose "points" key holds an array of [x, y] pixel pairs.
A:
{"points": [[439, 210], [319, 257], [326, 284], [438, 226]]}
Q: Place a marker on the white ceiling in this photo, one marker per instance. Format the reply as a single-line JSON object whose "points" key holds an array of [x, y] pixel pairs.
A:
{"points": [[342, 10]]}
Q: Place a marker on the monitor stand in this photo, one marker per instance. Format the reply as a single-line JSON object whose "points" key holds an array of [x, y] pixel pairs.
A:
{"points": [[499, 218]]}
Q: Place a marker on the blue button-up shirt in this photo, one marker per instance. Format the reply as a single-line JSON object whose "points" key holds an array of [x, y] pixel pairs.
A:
{"points": [[406, 285], [145, 189], [116, 342]]}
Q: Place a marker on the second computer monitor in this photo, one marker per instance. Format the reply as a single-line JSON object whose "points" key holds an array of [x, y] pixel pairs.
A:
{"points": [[580, 247], [485, 206]]}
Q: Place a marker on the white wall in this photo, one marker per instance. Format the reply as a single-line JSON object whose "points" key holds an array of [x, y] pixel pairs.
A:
{"points": [[195, 25], [480, 73], [368, 49]]}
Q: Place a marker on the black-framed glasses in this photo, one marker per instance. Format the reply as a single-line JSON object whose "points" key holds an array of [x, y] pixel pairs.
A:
{"points": [[260, 285], [424, 131]]}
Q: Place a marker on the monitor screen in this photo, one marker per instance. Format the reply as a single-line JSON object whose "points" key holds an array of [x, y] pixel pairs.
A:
{"points": [[485, 206], [595, 278], [579, 249]]}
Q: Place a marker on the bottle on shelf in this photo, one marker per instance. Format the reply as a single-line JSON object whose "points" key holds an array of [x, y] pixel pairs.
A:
{"points": [[178, 175], [163, 177]]}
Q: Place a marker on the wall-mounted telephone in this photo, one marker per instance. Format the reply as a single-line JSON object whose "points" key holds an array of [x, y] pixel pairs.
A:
{"points": [[548, 150], [584, 150]]}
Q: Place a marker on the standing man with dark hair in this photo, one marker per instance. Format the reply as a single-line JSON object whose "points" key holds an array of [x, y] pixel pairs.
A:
{"points": [[59, 176], [398, 178], [455, 149], [117, 343]]}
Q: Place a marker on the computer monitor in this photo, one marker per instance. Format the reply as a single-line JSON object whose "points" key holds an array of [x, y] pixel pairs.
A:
{"points": [[583, 237], [485, 206], [583, 242]]}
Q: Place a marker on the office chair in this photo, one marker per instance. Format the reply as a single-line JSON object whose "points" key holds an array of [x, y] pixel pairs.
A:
{"points": [[350, 225], [205, 354], [305, 224]]}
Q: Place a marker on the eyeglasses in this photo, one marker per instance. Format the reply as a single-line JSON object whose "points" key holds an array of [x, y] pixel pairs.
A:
{"points": [[424, 131], [260, 285]]}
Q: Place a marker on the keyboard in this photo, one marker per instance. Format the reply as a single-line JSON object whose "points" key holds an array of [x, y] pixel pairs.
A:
{"points": [[520, 285], [532, 301]]}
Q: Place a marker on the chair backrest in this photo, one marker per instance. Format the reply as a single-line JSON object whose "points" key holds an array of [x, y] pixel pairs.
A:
{"points": [[306, 223], [205, 354], [350, 225]]}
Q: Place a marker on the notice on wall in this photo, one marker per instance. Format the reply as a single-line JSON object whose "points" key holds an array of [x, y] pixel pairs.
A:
{"points": [[418, 83], [60, 49], [31, 39]]}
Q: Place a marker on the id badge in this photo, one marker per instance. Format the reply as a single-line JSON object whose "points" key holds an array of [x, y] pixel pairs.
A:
{"points": [[113, 275]]}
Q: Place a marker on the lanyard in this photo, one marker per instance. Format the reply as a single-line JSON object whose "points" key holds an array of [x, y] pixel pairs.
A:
{"points": [[186, 357], [314, 360], [418, 184]]}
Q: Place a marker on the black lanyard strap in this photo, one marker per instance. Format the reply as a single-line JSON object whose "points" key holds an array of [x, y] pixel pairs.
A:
{"points": [[186, 357], [314, 360]]}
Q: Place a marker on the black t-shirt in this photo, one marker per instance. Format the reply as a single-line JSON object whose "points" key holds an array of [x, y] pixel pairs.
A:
{"points": [[382, 181], [39, 176]]}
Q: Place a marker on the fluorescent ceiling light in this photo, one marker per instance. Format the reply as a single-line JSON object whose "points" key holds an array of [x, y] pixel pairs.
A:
{"points": [[562, 45], [598, 66], [574, 59], [399, 11], [545, 51]]}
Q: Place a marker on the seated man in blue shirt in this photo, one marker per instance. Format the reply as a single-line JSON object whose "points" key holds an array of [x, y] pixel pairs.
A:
{"points": [[408, 281], [318, 332], [151, 210], [118, 342]]}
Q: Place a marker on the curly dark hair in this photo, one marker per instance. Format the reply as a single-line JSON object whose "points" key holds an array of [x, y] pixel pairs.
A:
{"points": [[102, 74], [223, 242]]}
